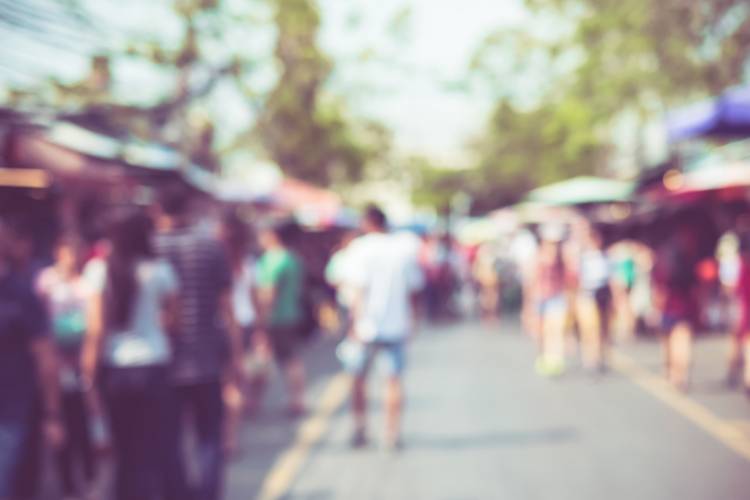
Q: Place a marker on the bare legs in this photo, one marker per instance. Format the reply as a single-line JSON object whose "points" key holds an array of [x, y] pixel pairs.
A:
{"points": [[233, 402], [552, 360], [489, 301], [294, 372], [678, 353], [394, 399], [593, 325], [359, 408], [737, 357], [394, 402]]}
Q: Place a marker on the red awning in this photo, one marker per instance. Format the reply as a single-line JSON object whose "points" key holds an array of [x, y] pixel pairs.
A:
{"points": [[312, 204]]}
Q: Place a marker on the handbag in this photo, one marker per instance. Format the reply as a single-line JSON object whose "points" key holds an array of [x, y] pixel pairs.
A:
{"points": [[352, 355]]}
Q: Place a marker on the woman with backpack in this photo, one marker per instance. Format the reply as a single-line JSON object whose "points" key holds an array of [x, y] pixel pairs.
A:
{"points": [[127, 345]]}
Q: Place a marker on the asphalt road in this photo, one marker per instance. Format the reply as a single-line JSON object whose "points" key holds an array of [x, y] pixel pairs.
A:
{"points": [[481, 424]]}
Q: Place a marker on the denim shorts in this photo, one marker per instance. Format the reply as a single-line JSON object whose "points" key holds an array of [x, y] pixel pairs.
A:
{"points": [[392, 355], [669, 321], [555, 304]]}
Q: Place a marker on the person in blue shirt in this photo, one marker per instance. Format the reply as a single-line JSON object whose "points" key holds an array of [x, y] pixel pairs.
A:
{"points": [[29, 385]]}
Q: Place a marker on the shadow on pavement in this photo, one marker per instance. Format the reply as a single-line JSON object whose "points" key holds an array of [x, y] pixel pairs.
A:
{"points": [[494, 440], [312, 495]]}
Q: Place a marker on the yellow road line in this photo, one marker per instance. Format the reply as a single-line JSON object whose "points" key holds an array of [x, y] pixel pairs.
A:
{"points": [[312, 430], [728, 434], [743, 425]]}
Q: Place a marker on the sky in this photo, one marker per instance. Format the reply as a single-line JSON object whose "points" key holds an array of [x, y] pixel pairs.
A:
{"points": [[413, 90], [409, 84]]}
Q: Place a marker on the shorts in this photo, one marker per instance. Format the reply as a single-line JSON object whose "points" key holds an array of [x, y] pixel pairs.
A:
{"points": [[602, 296], [669, 321], [554, 304], [393, 357], [285, 341]]}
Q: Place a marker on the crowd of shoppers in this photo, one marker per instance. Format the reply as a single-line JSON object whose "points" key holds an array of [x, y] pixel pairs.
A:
{"points": [[163, 331], [148, 330], [578, 293]]}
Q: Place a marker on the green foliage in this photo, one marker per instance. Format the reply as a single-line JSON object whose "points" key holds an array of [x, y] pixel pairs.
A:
{"points": [[309, 136], [434, 186], [520, 150], [309, 133], [563, 86]]}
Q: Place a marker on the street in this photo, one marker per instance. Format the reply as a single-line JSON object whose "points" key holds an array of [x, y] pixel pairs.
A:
{"points": [[480, 424]]}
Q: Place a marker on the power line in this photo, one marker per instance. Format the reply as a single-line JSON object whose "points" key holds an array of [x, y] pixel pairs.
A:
{"points": [[48, 22]]}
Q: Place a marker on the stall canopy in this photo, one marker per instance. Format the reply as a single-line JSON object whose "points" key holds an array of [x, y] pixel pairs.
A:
{"points": [[725, 116], [90, 157], [582, 191], [30, 178], [477, 231], [313, 205], [728, 181]]}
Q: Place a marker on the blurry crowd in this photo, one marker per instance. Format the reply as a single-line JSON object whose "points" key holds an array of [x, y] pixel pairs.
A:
{"points": [[133, 359], [165, 327], [164, 330], [580, 292]]}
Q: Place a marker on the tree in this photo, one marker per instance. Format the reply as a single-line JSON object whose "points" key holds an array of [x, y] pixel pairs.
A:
{"points": [[308, 133], [637, 50], [195, 66], [519, 151], [562, 89], [299, 123]]}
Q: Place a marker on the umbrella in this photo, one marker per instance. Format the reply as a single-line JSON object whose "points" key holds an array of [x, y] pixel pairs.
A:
{"points": [[477, 231], [717, 177], [725, 116], [581, 191]]}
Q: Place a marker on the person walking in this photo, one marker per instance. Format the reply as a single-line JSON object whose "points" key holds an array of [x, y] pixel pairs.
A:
{"points": [[132, 313], [282, 315], [739, 360], [675, 284], [550, 291], [486, 274], [593, 300], [29, 379], [67, 297], [236, 236], [523, 251], [207, 345], [387, 279]]}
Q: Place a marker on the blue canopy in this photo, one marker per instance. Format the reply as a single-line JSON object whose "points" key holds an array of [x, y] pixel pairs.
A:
{"points": [[725, 116]]}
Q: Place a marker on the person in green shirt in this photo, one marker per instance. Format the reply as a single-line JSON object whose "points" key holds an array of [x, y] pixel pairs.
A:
{"points": [[280, 277]]}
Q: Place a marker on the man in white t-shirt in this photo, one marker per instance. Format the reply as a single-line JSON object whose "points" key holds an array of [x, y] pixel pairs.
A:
{"points": [[386, 277]]}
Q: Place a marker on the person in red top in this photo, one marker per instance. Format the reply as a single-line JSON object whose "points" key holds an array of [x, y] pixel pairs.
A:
{"points": [[740, 349], [675, 283]]}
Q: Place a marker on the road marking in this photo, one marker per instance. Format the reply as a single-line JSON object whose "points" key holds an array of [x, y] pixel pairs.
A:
{"points": [[743, 425], [312, 430], [728, 434]]}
